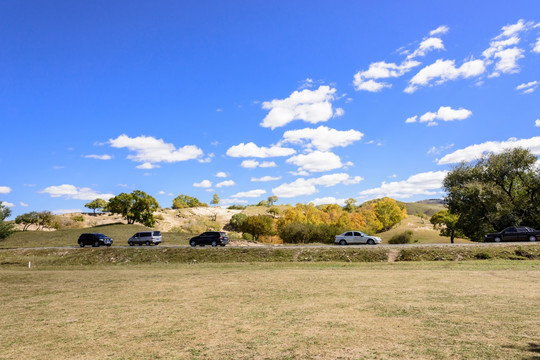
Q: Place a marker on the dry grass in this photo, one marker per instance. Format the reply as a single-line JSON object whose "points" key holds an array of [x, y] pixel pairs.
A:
{"points": [[459, 310], [423, 232]]}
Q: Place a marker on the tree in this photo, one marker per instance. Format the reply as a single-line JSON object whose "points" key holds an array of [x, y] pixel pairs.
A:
{"points": [[262, 203], [45, 219], [184, 201], [97, 204], [27, 219], [350, 205], [135, 207], [446, 223], [274, 211], [215, 200], [6, 227], [257, 226], [236, 221], [495, 192], [272, 199], [389, 212]]}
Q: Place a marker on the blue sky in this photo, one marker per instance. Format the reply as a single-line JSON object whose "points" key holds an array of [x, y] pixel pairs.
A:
{"points": [[312, 101]]}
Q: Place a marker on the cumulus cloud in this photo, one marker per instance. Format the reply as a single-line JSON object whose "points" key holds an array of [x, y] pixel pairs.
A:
{"points": [[265, 178], [444, 70], [321, 138], [527, 88], [432, 43], [5, 189], [426, 183], [252, 150], [249, 194], [445, 113], [221, 174], [23, 204], [99, 157], [150, 150], [8, 204], [304, 186], [364, 80], [72, 192], [316, 161], [252, 164], [147, 166], [225, 183], [536, 48], [203, 184], [537, 123], [328, 200], [312, 106], [474, 152], [443, 29]]}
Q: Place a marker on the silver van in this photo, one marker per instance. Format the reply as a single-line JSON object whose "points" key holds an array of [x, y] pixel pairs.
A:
{"points": [[145, 237]]}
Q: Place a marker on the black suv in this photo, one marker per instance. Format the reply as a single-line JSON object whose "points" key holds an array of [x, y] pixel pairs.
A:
{"points": [[213, 238], [94, 239]]}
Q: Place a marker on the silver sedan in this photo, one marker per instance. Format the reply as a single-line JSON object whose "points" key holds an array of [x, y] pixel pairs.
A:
{"points": [[356, 237]]}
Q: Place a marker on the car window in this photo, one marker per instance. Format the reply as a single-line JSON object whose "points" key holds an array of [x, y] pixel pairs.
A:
{"points": [[357, 234], [157, 233], [348, 234], [511, 230], [145, 234]]}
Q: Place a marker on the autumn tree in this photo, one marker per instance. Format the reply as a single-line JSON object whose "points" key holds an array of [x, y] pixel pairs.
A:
{"points": [[495, 192], [97, 204], [257, 226], [272, 200], [135, 207], [389, 212], [447, 224]]}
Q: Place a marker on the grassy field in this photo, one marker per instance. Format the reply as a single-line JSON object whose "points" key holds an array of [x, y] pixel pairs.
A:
{"points": [[430, 310]]}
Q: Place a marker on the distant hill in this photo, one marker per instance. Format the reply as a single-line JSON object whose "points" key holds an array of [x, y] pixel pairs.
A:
{"points": [[427, 207]]}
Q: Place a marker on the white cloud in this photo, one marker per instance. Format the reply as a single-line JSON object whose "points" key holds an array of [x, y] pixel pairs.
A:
{"points": [[508, 60], [444, 70], [445, 113], [536, 48], [232, 201], [161, 192], [252, 164], [221, 174], [268, 164], [363, 80], [99, 157], [328, 200], [437, 150], [474, 152], [225, 183], [151, 150], [266, 178], [252, 150], [249, 194], [312, 106], [303, 186], [7, 204], [322, 138], [527, 88], [147, 166], [537, 123], [72, 192], [23, 204], [432, 43], [316, 161], [203, 184], [5, 189], [420, 184], [66, 211], [443, 29]]}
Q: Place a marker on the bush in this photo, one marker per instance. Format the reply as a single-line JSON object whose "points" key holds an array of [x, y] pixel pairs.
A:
{"points": [[403, 238], [236, 207], [77, 218], [295, 232]]}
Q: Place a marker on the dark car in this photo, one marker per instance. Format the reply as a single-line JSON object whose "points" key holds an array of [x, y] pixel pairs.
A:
{"points": [[514, 233], [213, 238], [94, 239], [145, 237]]}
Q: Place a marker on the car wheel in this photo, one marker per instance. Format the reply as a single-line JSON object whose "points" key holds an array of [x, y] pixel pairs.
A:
{"points": [[131, 243], [96, 244], [371, 242], [497, 239], [193, 243], [532, 238], [81, 244], [342, 242], [214, 243], [148, 243]]}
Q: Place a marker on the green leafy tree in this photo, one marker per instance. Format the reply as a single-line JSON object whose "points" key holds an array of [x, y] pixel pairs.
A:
{"points": [[389, 212], [447, 224], [6, 227], [184, 201], [45, 219], [215, 199], [274, 211], [262, 203], [135, 207], [236, 222], [495, 192], [350, 205], [272, 200], [257, 226], [97, 204], [27, 219]]}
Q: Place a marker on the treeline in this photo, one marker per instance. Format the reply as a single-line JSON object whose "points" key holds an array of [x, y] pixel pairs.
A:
{"points": [[307, 223]]}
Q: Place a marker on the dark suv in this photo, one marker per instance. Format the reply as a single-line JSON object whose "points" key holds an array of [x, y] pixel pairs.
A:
{"points": [[94, 239], [213, 238], [145, 237]]}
